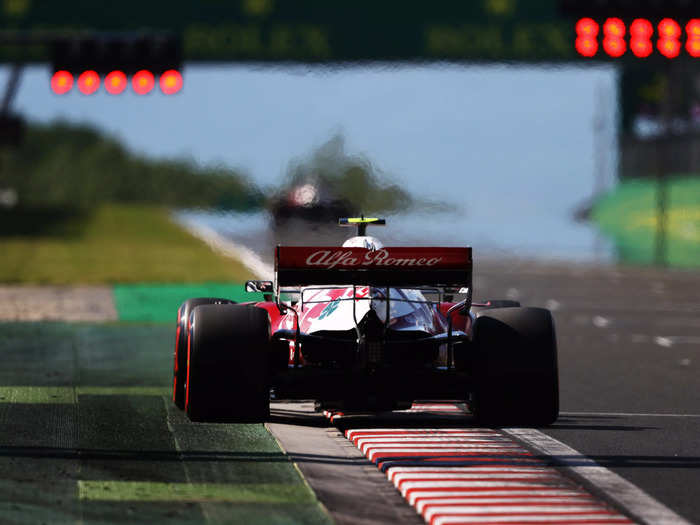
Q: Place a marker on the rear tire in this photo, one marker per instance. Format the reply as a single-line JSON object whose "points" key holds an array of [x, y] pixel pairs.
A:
{"points": [[180, 355], [228, 376], [515, 374]]}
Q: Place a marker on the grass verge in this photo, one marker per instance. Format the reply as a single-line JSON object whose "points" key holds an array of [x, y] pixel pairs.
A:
{"points": [[113, 244], [89, 435], [628, 216], [158, 303]]}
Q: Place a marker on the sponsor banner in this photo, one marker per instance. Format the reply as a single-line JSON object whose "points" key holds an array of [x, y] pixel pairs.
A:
{"points": [[410, 258]]}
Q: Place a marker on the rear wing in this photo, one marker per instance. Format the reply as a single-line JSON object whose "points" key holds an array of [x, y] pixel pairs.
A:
{"points": [[394, 266]]}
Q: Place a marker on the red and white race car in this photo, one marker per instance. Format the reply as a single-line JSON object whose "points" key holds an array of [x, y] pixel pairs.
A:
{"points": [[366, 327]]}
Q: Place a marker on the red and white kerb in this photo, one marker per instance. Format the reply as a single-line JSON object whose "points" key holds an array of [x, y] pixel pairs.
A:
{"points": [[475, 476]]}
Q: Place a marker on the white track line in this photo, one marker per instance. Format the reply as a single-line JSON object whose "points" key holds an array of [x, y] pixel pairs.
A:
{"points": [[633, 499], [228, 248], [625, 414]]}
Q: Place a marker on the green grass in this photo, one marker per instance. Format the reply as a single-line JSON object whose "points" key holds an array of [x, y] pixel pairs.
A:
{"points": [[259, 493], [158, 303], [90, 436], [628, 216], [113, 244]]}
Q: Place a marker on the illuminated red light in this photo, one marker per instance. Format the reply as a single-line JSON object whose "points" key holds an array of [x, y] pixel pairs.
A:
{"points": [[692, 28], [143, 82], [171, 82], [669, 28], [641, 28], [668, 44], [641, 47], [88, 82], [669, 47], [586, 46], [641, 31], [115, 82], [614, 46], [587, 27], [61, 82], [614, 27], [693, 47], [614, 43]]}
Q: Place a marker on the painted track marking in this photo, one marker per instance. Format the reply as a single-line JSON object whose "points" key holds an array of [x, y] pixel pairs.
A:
{"points": [[480, 475], [624, 414], [637, 502], [227, 247]]}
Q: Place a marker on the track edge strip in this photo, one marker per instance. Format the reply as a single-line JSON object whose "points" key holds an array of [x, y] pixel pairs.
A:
{"points": [[602, 481]]}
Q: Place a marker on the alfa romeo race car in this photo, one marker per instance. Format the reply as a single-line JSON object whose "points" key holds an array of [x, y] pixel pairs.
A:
{"points": [[366, 327]]}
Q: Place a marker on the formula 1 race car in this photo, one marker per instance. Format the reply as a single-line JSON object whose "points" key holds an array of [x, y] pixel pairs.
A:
{"points": [[363, 327]]}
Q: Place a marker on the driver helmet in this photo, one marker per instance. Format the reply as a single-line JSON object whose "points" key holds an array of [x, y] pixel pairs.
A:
{"points": [[371, 243]]}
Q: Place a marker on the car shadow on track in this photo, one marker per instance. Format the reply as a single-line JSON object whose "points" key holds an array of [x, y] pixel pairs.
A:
{"points": [[304, 415], [588, 422], [298, 417], [620, 461], [617, 461], [139, 455]]}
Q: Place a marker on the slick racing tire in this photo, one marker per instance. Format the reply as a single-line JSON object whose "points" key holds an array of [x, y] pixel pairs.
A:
{"points": [[515, 374], [495, 303], [180, 354], [228, 376]]}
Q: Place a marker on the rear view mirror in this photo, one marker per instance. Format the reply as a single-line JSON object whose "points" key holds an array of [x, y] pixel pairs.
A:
{"points": [[259, 286]]}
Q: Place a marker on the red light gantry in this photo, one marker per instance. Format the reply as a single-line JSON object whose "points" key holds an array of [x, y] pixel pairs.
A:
{"points": [[640, 41]]}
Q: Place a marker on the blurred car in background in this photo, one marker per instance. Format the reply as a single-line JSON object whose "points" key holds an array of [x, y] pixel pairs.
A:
{"points": [[310, 200]]}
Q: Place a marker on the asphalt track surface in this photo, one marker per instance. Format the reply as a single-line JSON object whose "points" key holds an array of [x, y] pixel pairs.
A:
{"points": [[629, 366], [89, 413]]}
